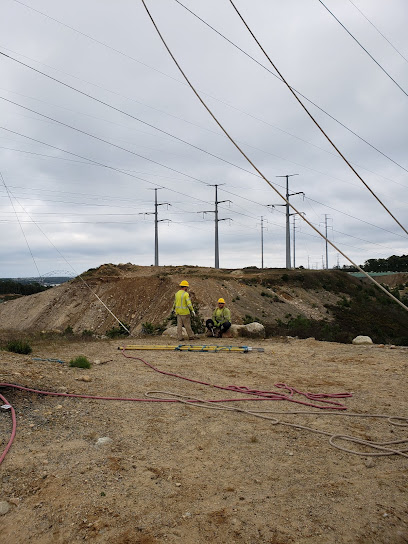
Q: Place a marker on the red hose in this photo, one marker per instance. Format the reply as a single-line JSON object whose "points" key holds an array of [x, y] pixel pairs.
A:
{"points": [[13, 432], [257, 395], [263, 395]]}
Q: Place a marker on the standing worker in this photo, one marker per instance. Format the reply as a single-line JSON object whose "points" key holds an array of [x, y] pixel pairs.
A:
{"points": [[183, 308], [221, 319]]}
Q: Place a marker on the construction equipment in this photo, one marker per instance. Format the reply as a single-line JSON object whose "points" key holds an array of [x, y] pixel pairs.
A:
{"points": [[197, 348]]}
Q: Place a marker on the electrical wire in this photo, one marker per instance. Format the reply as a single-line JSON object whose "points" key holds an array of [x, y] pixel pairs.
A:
{"points": [[225, 103], [21, 226], [364, 49], [314, 120], [123, 112], [379, 32], [293, 88], [253, 165]]}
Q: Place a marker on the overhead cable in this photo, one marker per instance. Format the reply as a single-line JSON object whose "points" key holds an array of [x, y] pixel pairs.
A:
{"points": [[364, 49], [122, 111], [76, 273], [314, 120], [256, 168], [379, 32], [21, 226], [293, 88], [221, 101]]}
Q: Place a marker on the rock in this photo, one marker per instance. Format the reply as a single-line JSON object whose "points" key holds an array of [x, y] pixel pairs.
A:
{"points": [[85, 378], [362, 340], [103, 441], [4, 507], [255, 330], [236, 330], [172, 332]]}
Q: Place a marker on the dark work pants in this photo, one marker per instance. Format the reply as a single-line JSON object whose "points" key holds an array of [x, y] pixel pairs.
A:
{"points": [[223, 328]]}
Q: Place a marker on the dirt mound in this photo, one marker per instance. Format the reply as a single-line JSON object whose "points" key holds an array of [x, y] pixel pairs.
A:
{"points": [[137, 294]]}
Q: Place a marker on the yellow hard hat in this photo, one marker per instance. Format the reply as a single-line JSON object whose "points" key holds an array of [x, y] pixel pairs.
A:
{"points": [[184, 283], [221, 301]]}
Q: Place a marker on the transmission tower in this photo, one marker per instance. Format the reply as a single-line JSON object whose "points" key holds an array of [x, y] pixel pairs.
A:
{"points": [[216, 221], [156, 224]]}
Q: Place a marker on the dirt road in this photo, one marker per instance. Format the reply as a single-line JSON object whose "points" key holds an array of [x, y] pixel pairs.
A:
{"points": [[179, 473]]}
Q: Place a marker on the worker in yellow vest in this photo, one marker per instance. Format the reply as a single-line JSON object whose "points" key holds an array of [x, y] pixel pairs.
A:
{"points": [[184, 309], [221, 319]]}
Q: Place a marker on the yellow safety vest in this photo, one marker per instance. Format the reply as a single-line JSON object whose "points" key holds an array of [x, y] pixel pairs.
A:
{"points": [[182, 303], [221, 315]]}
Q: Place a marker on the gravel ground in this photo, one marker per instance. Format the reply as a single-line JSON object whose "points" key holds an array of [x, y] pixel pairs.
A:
{"points": [[187, 474]]}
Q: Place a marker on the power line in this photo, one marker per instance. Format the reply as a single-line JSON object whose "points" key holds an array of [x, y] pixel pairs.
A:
{"points": [[249, 160], [313, 119], [123, 112], [21, 227], [293, 89], [379, 32], [221, 101], [364, 49]]}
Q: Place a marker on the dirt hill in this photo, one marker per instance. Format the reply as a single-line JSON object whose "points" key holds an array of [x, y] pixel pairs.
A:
{"points": [[136, 294], [299, 302]]}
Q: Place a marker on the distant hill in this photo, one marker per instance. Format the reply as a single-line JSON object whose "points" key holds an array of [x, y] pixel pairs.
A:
{"points": [[51, 280]]}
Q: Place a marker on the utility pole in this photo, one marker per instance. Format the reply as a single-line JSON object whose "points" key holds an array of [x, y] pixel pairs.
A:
{"points": [[262, 240], [326, 217], [288, 195], [217, 220], [294, 236], [156, 225]]}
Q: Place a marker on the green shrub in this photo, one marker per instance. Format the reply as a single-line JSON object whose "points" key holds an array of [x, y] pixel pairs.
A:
{"points": [[19, 346], [69, 331], [114, 332], [80, 362], [148, 328], [86, 333]]}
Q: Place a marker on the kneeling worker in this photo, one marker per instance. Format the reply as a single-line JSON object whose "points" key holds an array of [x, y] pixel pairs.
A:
{"points": [[183, 308], [221, 319]]}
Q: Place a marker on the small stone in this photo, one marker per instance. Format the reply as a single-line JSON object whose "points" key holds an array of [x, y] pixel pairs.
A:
{"points": [[4, 507], [85, 378], [178, 484], [103, 441], [369, 463], [58, 407], [14, 500]]}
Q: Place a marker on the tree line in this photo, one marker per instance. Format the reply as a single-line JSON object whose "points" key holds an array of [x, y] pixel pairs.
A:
{"points": [[8, 287]]}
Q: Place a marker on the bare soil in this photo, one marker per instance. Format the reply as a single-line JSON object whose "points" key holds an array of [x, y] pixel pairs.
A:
{"points": [[138, 294], [179, 473]]}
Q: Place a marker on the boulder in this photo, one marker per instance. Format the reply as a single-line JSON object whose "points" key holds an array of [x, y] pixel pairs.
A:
{"points": [[362, 340], [255, 330], [236, 330], [171, 332], [252, 330]]}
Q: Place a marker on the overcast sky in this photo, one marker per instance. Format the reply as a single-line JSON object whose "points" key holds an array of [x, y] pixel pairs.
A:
{"points": [[69, 201]]}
